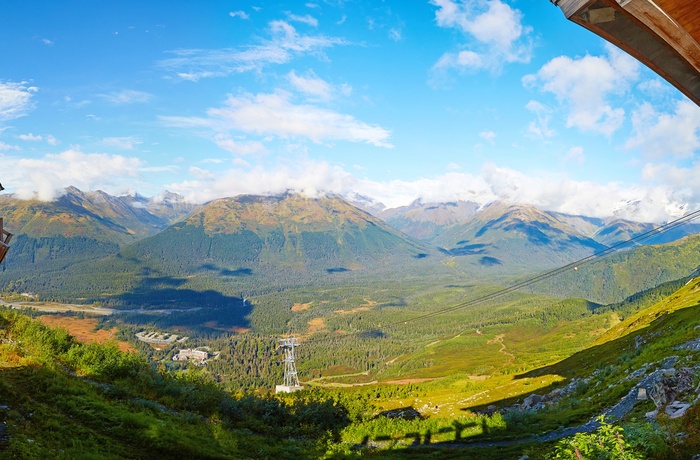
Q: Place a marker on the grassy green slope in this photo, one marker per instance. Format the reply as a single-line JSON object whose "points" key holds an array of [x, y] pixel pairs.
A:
{"points": [[63, 399], [605, 363], [618, 276]]}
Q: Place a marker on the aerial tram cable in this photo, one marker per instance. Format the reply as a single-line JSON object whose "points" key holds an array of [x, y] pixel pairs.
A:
{"points": [[530, 281]]}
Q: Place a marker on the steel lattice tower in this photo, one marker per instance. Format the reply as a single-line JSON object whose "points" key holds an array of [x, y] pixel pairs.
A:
{"points": [[290, 368]]}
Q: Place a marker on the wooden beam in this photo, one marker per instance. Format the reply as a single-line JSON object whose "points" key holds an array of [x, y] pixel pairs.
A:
{"points": [[647, 33], [665, 27], [572, 7], [4, 240]]}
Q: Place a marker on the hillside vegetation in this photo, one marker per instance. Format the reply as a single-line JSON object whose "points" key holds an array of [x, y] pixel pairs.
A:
{"points": [[65, 399]]}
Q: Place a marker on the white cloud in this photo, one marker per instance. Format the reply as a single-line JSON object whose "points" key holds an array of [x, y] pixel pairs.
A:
{"points": [[310, 178], [284, 45], [51, 140], [306, 19], [121, 143], [47, 42], [239, 14], [30, 137], [655, 88], [540, 127], [45, 178], [553, 192], [275, 114], [127, 96], [4, 147], [201, 174], [311, 85], [576, 155], [556, 192], [489, 136], [395, 34], [659, 135], [663, 200], [15, 99], [494, 31], [682, 179], [186, 122], [240, 147], [584, 85]]}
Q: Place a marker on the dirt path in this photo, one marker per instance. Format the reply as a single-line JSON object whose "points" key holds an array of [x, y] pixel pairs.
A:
{"points": [[499, 339]]}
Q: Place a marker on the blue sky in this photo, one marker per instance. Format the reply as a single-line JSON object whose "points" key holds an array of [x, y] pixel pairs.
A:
{"points": [[439, 100]]}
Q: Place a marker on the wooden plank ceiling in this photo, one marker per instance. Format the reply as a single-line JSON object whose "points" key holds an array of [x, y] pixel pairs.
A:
{"points": [[686, 13]]}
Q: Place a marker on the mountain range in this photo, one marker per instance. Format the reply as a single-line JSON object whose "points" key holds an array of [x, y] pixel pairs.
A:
{"points": [[430, 221], [94, 215], [290, 232], [135, 243]]}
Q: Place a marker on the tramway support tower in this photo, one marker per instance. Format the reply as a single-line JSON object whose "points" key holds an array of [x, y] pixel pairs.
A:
{"points": [[4, 237], [291, 380]]}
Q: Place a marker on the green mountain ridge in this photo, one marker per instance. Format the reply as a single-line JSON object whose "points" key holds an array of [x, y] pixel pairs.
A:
{"points": [[309, 234], [614, 277], [515, 238], [426, 221], [241, 244], [429, 221]]}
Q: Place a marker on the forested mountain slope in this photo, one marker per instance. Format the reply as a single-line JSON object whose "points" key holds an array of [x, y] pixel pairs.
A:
{"points": [[426, 221], [617, 276], [242, 244], [515, 239], [79, 226]]}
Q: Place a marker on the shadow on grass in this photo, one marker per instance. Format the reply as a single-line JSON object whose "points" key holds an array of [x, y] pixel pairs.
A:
{"points": [[456, 433], [243, 271], [163, 302]]}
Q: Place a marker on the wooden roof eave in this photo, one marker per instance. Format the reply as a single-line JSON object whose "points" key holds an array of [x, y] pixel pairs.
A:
{"points": [[645, 31]]}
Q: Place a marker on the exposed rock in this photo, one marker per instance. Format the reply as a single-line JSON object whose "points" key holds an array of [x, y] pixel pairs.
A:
{"points": [[642, 394], [684, 380], [531, 400], [657, 393], [651, 416], [405, 413], [538, 406], [692, 345], [669, 362], [677, 409], [669, 373]]}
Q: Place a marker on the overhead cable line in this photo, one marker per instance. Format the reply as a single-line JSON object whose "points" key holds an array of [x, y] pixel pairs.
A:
{"points": [[536, 279]]}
